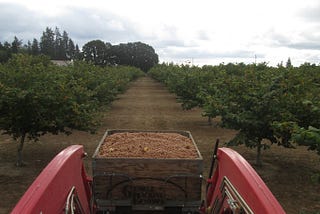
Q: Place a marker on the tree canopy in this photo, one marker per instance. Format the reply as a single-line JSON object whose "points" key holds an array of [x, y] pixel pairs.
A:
{"points": [[96, 51], [136, 54]]}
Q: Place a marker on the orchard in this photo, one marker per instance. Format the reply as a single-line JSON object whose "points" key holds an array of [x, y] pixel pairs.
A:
{"points": [[38, 97], [280, 104]]}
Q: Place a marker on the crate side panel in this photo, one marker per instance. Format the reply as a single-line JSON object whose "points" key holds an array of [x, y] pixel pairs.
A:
{"points": [[147, 167]]}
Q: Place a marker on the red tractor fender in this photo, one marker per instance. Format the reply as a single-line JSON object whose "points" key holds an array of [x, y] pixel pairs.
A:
{"points": [[235, 186], [62, 184]]}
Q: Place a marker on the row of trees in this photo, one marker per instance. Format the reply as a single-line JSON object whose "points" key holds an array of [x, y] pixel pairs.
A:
{"points": [[38, 97], [60, 47], [56, 45], [280, 104], [52, 43], [136, 54]]}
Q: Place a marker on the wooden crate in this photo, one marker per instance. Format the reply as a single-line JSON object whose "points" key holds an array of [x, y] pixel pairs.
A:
{"points": [[146, 183]]}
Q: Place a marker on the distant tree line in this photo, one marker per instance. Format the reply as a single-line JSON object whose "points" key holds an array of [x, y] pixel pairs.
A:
{"points": [[60, 47], [136, 54], [52, 43]]}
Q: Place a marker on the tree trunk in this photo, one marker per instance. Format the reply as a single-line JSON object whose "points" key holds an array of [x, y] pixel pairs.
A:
{"points": [[20, 147], [258, 160], [210, 120]]}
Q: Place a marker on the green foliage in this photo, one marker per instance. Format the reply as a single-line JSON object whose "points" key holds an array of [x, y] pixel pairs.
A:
{"points": [[308, 137], [260, 102], [55, 45], [96, 51], [37, 97], [182, 81], [15, 45], [315, 178], [135, 54], [5, 52], [47, 42]]}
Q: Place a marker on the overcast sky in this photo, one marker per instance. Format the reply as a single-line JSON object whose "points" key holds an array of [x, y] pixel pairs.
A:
{"points": [[201, 31]]}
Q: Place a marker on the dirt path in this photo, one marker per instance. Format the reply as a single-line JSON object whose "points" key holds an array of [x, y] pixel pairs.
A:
{"points": [[148, 105]]}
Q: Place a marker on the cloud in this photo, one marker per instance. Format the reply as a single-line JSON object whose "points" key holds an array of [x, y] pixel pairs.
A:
{"points": [[170, 43], [16, 20], [308, 40], [311, 13], [88, 24], [308, 45], [201, 53], [82, 24], [203, 35], [306, 35]]}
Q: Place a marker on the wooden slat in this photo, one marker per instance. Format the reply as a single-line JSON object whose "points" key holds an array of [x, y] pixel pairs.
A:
{"points": [[164, 180]]}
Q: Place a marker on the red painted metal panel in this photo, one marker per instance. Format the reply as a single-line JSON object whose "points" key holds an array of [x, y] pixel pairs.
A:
{"points": [[49, 192], [235, 178]]}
